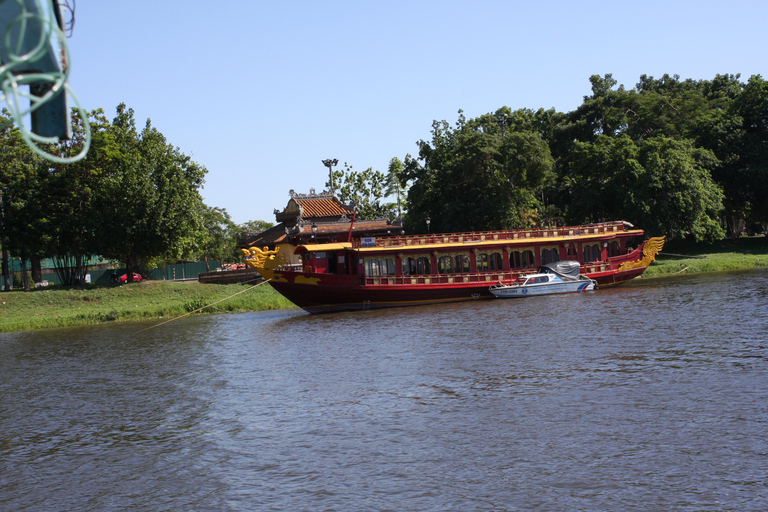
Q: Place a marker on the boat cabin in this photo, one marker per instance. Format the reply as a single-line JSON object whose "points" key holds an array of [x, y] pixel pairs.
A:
{"points": [[478, 255]]}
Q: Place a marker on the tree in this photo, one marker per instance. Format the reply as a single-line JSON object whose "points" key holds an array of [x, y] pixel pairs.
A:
{"points": [[364, 189], [664, 185], [150, 206], [476, 177], [219, 237], [18, 177], [70, 193], [752, 108], [396, 186]]}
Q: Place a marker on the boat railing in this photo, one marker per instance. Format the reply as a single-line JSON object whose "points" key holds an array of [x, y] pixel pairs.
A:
{"points": [[490, 236], [425, 279]]}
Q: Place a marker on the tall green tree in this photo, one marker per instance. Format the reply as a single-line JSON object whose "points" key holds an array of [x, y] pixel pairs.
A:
{"points": [[664, 185], [752, 108], [151, 205], [218, 241], [396, 186], [70, 195], [365, 189], [477, 176], [19, 168]]}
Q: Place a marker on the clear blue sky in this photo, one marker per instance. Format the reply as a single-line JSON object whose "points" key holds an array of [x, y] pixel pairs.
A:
{"points": [[259, 92]]}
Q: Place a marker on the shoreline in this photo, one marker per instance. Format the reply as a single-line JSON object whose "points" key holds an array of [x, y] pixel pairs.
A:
{"points": [[47, 308]]}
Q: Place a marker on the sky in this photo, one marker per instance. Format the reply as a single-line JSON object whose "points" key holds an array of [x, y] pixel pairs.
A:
{"points": [[260, 92]]}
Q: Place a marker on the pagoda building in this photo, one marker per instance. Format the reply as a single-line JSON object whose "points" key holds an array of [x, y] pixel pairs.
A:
{"points": [[314, 219]]}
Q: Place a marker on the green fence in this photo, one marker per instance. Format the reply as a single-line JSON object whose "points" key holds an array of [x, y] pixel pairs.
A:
{"points": [[174, 272]]}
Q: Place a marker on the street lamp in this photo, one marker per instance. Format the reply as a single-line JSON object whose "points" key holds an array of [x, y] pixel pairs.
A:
{"points": [[429, 221], [502, 120], [330, 164]]}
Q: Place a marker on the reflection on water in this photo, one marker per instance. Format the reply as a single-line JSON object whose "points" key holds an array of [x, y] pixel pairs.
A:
{"points": [[645, 397]]}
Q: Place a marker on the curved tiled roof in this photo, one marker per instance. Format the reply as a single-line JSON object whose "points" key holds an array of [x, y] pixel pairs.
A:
{"points": [[313, 207]]}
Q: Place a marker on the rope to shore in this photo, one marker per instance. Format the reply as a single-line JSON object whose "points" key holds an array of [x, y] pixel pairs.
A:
{"points": [[209, 305]]}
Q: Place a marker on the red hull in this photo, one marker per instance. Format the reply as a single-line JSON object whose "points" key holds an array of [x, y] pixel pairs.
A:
{"points": [[347, 293], [324, 293]]}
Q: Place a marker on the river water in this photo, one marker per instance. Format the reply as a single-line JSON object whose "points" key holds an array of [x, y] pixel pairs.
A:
{"points": [[651, 396]]}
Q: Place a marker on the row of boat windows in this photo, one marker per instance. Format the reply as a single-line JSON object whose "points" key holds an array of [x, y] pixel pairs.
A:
{"points": [[486, 262], [447, 264]]}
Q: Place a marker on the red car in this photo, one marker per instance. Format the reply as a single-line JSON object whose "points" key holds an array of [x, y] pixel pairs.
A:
{"points": [[123, 278]]}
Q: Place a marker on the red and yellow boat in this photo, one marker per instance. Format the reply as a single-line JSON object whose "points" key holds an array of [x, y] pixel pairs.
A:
{"points": [[394, 271]]}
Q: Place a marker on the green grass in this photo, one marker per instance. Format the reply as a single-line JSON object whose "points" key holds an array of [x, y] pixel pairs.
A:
{"points": [[94, 304], [679, 257]]}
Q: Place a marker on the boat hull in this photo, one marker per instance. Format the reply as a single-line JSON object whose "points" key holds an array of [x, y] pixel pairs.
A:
{"points": [[323, 293]]}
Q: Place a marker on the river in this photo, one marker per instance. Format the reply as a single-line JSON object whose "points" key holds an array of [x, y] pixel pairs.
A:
{"points": [[648, 397]]}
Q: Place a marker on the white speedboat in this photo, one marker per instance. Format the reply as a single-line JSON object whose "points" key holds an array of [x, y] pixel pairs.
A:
{"points": [[558, 277]]}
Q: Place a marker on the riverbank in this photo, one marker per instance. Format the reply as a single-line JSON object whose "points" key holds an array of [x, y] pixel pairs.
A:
{"points": [[679, 257], [164, 300]]}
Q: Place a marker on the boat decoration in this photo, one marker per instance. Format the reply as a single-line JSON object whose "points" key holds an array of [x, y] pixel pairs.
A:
{"points": [[404, 270], [552, 278]]}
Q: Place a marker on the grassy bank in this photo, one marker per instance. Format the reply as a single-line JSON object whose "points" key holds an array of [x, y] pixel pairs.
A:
{"points": [[679, 257], [93, 304]]}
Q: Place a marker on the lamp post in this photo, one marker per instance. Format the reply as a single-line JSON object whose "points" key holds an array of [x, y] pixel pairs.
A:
{"points": [[502, 120], [429, 221], [330, 164]]}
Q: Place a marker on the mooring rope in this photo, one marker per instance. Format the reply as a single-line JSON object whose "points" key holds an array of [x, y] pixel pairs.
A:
{"points": [[209, 305]]}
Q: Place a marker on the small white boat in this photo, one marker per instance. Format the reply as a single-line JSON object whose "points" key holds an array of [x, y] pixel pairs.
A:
{"points": [[558, 277]]}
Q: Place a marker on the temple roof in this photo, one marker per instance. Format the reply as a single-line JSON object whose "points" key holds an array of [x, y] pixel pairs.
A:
{"points": [[320, 207], [313, 207], [334, 231], [317, 217]]}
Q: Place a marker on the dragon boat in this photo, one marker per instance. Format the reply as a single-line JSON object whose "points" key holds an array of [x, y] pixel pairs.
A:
{"points": [[404, 270]]}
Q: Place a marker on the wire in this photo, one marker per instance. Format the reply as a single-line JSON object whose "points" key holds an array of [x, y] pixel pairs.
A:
{"points": [[15, 73], [209, 305]]}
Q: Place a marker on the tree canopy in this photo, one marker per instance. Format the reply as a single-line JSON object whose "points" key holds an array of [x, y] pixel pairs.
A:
{"points": [[677, 157], [473, 176]]}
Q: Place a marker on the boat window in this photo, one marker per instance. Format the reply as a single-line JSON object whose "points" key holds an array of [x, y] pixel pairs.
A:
{"points": [[549, 256], [490, 262], [419, 265], [384, 267], [521, 259], [461, 263], [495, 261], [482, 262], [615, 248], [372, 267], [423, 266], [445, 265], [591, 253]]}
